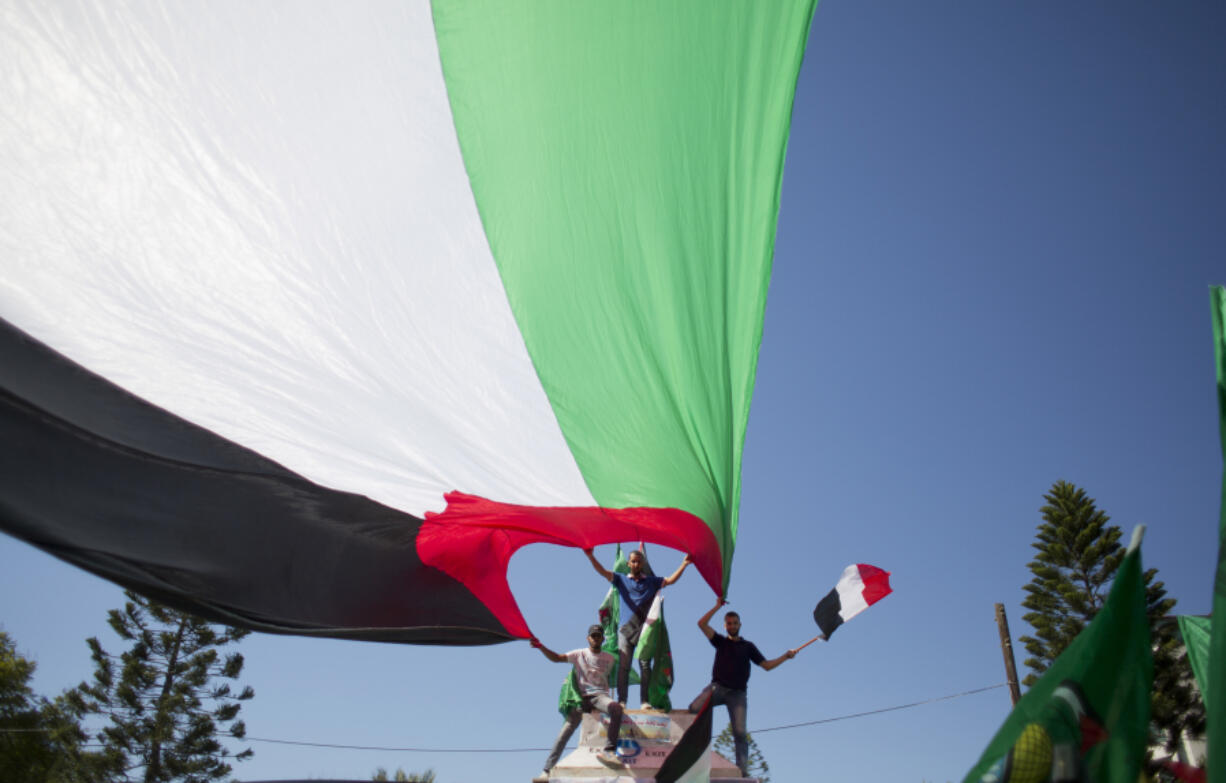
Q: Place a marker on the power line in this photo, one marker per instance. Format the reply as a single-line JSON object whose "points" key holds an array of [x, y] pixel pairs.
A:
{"points": [[340, 746], [883, 709], [398, 750], [537, 750]]}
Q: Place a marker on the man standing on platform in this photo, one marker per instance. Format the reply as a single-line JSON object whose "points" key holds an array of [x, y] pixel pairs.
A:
{"points": [[730, 677], [637, 590], [592, 667]]}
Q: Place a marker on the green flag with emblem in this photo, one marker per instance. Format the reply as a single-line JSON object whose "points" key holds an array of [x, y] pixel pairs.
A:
{"points": [[1087, 718], [653, 646]]}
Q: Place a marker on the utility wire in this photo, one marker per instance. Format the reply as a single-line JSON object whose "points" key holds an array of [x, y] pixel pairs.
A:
{"points": [[537, 750], [883, 709], [540, 750], [399, 750]]}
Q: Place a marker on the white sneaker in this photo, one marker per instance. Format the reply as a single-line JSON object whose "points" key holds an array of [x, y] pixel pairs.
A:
{"points": [[542, 778]]}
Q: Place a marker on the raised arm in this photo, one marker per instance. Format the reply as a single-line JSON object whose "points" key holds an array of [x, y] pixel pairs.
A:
{"points": [[685, 561], [704, 621], [606, 573], [773, 662], [548, 653]]}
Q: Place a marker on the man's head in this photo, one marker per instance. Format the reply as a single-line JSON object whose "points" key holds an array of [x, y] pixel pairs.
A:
{"points": [[595, 637], [732, 624], [638, 563], [635, 561]]}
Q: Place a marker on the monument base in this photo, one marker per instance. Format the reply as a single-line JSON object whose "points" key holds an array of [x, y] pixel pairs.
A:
{"points": [[645, 740]]}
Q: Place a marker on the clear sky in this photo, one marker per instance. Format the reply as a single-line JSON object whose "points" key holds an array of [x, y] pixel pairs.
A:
{"points": [[999, 225]]}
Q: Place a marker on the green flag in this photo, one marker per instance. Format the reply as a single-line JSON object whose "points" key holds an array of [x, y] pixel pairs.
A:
{"points": [[1087, 718], [610, 610], [1215, 704], [1196, 632], [568, 697], [653, 646], [609, 616], [610, 619]]}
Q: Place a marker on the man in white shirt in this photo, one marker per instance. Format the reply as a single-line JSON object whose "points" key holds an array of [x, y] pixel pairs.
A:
{"points": [[592, 667]]}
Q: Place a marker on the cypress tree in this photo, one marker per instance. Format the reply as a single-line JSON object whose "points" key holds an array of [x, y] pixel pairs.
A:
{"points": [[1078, 553]]}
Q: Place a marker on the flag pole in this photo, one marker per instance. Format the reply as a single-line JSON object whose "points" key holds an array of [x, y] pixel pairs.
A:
{"points": [[811, 641]]}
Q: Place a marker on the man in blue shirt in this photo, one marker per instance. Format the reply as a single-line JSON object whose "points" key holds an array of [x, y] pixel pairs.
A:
{"points": [[730, 677], [637, 590]]}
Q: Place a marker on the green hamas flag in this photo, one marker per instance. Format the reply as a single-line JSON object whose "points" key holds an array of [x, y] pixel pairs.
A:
{"points": [[609, 616], [654, 646], [1196, 632], [568, 697], [1087, 718], [1215, 703]]}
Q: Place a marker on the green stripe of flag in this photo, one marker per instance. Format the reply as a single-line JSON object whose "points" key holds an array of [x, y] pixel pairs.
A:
{"points": [[627, 159]]}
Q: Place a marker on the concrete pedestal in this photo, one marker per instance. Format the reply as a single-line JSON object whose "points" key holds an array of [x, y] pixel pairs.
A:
{"points": [[645, 740]]}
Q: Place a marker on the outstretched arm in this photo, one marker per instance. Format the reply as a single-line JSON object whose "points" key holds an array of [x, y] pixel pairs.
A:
{"points": [[548, 653], [606, 573], [773, 662], [668, 580], [704, 621]]}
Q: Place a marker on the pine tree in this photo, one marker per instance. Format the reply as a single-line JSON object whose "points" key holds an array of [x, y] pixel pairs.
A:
{"points": [[726, 747], [1078, 554], [166, 699]]}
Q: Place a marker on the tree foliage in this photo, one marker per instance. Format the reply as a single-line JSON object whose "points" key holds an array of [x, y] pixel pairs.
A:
{"points": [[726, 747], [167, 698], [405, 777], [1078, 553], [25, 753], [41, 741]]}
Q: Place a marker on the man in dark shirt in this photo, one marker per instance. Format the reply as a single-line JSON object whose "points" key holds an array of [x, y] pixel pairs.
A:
{"points": [[730, 677]]}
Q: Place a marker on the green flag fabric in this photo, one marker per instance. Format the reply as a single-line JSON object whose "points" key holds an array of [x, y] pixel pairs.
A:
{"points": [[568, 697], [610, 619], [1215, 704], [1196, 633], [1087, 718], [654, 646], [610, 611]]}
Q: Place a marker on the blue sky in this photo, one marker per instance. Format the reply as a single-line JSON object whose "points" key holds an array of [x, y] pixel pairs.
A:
{"points": [[999, 226]]}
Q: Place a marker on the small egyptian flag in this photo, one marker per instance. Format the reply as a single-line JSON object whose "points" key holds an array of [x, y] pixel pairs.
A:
{"points": [[859, 587]]}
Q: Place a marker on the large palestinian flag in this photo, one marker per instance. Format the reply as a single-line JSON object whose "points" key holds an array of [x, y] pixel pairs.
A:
{"points": [[315, 312]]}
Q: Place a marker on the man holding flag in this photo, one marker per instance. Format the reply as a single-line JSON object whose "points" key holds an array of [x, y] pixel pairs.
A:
{"points": [[860, 586], [637, 590], [730, 677], [591, 667]]}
